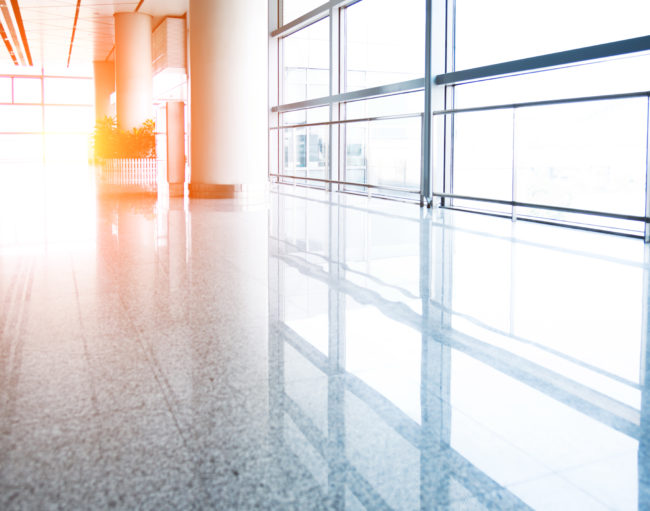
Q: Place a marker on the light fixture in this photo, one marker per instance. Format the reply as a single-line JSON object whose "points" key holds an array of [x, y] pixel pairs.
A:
{"points": [[12, 32]]}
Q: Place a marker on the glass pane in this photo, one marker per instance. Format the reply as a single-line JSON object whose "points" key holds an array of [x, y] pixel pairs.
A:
{"points": [[27, 90], [486, 32], [412, 102], [305, 153], [482, 158], [587, 156], [293, 9], [306, 63], [5, 90], [69, 91], [614, 76], [384, 42], [318, 114], [20, 118], [69, 119], [384, 153]]}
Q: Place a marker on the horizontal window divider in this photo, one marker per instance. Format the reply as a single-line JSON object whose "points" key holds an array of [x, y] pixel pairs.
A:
{"points": [[598, 51], [372, 92], [591, 212], [348, 121], [545, 102], [317, 14], [333, 181]]}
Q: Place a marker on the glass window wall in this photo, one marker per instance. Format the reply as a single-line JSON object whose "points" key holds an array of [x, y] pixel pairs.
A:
{"points": [[384, 42], [55, 127], [588, 156], [27, 90], [503, 30], [360, 64], [306, 63], [384, 153], [5, 90]]}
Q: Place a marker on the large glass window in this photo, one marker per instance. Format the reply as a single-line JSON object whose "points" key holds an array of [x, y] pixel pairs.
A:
{"points": [[293, 9], [572, 152], [27, 90], [399, 104], [502, 30], [384, 153], [5, 90], [305, 149], [587, 156], [55, 127], [482, 158], [306, 63], [583, 155], [384, 42], [305, 152], [613, 76]]}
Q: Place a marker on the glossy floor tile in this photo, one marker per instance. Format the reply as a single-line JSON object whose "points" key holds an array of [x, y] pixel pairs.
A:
{"points": [[316, 351]]}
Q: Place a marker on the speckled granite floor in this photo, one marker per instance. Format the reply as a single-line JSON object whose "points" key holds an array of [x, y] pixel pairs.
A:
{"points": [[317, 352]]}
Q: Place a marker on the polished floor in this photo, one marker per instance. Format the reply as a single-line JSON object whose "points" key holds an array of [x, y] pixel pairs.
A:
{"points": [[317, 351]]}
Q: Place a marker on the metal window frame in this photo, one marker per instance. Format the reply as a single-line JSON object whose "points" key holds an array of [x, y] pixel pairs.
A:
{"points": [[438, 84], [514, 203], [43, 133], [646, 230], [346, 183], [308, 18], [549, 60], [369, 93]]}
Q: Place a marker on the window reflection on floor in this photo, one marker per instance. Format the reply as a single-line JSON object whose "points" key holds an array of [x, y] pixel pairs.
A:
{"points": [[468, 360]]}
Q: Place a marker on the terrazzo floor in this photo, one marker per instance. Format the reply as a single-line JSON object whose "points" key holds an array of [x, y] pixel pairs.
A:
{"points": [[317, 351]]}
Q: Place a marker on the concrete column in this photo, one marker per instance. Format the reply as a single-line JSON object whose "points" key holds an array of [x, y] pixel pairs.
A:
{"points": [[133, 75], [176, 148], [228, 98], [104, 73]]}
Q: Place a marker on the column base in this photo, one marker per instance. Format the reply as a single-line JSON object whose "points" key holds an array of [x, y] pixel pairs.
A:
{"points": [[238, 191], [176, 189]]}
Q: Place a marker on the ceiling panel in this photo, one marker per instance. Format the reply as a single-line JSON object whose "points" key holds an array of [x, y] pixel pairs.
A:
{"points": [[49, 23]]}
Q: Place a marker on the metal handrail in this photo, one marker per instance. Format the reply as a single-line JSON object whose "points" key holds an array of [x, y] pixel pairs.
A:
{"points": [[544, 206], [333, 181]]}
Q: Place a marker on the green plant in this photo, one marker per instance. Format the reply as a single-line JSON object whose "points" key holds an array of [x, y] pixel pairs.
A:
{"points": [[111, 142]]}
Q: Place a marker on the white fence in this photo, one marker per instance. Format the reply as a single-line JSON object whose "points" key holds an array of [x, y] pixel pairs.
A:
{"points": [[129, 174]]}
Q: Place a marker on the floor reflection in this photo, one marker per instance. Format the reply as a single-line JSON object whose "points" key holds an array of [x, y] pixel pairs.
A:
{"points": [[316, 352], [445, 360]]}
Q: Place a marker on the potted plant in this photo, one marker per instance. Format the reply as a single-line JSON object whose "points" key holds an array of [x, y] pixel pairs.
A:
{"points": [[126, 159]]}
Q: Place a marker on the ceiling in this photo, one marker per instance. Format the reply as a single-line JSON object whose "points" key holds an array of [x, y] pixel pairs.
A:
{"points": [[49, 26]]}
